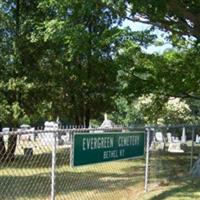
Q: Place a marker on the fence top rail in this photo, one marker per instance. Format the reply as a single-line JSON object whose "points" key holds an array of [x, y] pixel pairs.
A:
{"points": [[81, 129], [172, 126], [57, 130]]}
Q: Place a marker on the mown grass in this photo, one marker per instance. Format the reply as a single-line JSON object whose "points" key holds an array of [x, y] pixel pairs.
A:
{"points": [[182, 189], [30, 178]]}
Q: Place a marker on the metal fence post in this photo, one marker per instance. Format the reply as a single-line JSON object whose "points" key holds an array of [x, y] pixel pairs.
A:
{"points": [[192, 148], [53, 168], [147, 161]]}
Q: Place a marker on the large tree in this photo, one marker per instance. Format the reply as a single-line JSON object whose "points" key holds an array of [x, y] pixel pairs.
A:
{"points": [[88, 36], [177, 16], [58, 59], [21, 82], [173, 74]]}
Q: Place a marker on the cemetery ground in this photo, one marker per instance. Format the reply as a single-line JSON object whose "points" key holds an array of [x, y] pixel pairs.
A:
{"points": [[29, 177]]}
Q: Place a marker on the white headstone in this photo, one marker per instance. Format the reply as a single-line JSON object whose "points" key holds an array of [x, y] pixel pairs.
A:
{"points": [[29, 136], [47, 138], [175, 139], [159, 137], [175, 148], [197, 138], [50, 126], [174, 144], [107, 123], [169, 137], [25, 126], [159, 143], [183, 137], [5, 129]]}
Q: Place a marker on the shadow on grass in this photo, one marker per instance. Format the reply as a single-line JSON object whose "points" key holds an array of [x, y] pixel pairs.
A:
{"points": [[15, 187], [38, 186], [168, 168], [42, 160], [32, 183], [96, 181], [165, 165], [188, 189]]}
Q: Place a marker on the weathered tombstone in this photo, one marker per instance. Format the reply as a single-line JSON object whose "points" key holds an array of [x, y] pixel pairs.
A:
{"points": [[175, 147], [47, 138], [107, 123], [26, 139], [5, 131], [159, 141], [29, 136], [174, 144], [159, 137], [175, 139], [66, 139], [197, 139], [169, 137], [183, 137]]}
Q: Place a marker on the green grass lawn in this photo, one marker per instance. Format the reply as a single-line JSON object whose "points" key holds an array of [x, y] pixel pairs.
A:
{"points": [[30, 178], [184, 189]]}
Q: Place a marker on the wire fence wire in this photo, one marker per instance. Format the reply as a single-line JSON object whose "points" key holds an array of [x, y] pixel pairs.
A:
{"points": [[172, 153], [41, 169]]}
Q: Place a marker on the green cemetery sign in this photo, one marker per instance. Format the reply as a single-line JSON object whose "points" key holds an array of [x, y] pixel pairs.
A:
{"points": [[90, 148]]}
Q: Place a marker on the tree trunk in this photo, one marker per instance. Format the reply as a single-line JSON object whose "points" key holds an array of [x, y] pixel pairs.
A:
{"points": [[76, 120], [12, 139], [87, 117], [12, 143], [2, 149]]}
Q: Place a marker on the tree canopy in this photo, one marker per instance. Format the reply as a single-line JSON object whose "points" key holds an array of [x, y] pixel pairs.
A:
{"points": [[59, 59], [74, 59], [177, 16]]}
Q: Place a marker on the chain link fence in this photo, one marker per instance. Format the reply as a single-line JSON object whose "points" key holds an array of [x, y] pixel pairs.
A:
{"points": [[40, 169], [173, 151]]}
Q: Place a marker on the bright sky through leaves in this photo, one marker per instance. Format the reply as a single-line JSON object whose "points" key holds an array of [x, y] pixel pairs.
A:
{"points": [[136, 26]]}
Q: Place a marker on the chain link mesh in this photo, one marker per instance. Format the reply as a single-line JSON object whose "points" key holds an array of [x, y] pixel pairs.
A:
{"points": [[172, 160], [28, 175]]}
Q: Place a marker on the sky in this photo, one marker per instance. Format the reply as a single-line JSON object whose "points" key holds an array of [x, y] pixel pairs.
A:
{"points": [[136, 26]]}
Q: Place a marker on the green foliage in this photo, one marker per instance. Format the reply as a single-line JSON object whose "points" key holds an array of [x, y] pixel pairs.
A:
{"points": [[160, 110], [127, 114], [179, 17], [59, 58], [73, 59], [178, 74], [88, 39], [152, 109], [173, 74]]}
